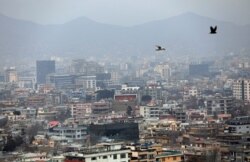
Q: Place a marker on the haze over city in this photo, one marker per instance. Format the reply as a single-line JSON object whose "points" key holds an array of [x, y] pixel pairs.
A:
{"points": [[124, 80]]}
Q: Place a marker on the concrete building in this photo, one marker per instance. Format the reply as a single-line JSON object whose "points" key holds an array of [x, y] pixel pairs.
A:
{"points": [[106, 152], [103, 80], [88, 83], [61, 81], [43, 68], [153, 90], [218, 104], [73, 132], [150, 111], [170, 156], [239, 125], [80, 110], [164, 70], [241, 89], [11, 75], [101, 107], [26, 82]]}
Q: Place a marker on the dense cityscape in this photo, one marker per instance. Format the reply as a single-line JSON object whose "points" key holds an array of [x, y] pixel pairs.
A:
{"points": [[158, 110], [170, 90]]}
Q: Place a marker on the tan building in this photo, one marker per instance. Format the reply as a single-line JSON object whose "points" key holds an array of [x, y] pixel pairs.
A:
{"points": [[11, 75], [170, 156], [79, 110]]}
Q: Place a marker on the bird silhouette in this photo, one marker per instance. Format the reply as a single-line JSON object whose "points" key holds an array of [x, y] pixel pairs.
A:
{"points": [[213, 30], [159, 48]]}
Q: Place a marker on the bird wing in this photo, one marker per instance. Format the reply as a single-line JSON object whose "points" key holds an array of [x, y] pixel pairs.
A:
{"points": [[215, 28], [211, 28]]}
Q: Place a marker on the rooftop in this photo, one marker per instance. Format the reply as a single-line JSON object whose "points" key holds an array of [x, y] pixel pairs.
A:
{"points": [[170, 153]]}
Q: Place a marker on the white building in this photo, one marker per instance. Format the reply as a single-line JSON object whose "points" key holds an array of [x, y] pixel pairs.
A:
{"points": [[88, 83], [164, 70], [73, 132], [239, 125], [101, 153], [150, 111]]}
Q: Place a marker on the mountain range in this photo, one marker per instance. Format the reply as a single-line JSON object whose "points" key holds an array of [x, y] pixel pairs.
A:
{"points": [[185, 34]]}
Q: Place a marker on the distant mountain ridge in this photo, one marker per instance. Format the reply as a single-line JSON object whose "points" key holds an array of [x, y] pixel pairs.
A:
{"points": [[185, 34]]}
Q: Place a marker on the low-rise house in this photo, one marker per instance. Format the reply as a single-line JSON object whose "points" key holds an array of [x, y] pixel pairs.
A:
{"points": [[105, 152], [170, 156]]}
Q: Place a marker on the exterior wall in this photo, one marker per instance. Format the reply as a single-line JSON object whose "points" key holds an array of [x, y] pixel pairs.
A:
{"points": [[154, 91], [70, 133], [164, 70], [171, 159], [43, 68], [241, 89], [113, 156], [79, 110], [101, 107], [141, 156], [87, 82], [109, 156], [61, 81], [219, 105], [125, 97], [239, 128], [150, 111]]}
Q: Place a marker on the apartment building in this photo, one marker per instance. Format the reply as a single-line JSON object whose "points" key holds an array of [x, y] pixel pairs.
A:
{"points": [[241, 89], [219, 104]]}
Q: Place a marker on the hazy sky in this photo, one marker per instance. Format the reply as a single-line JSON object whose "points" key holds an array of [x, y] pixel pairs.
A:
{"points": [[123, 12]]}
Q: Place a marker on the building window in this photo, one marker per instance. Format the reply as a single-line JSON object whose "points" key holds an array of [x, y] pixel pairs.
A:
{"points": [[104, 157], [114, 156], [93, 158], [123, 156], [174, 158]]}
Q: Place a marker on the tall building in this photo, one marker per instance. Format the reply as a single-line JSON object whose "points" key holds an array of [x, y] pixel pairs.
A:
{"points": [[11, 75], [43, 68], [241, 89], [164, 70]]}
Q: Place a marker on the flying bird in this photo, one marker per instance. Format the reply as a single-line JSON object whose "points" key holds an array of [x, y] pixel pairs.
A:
{"points": [[213, 30], [159, 48]]}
